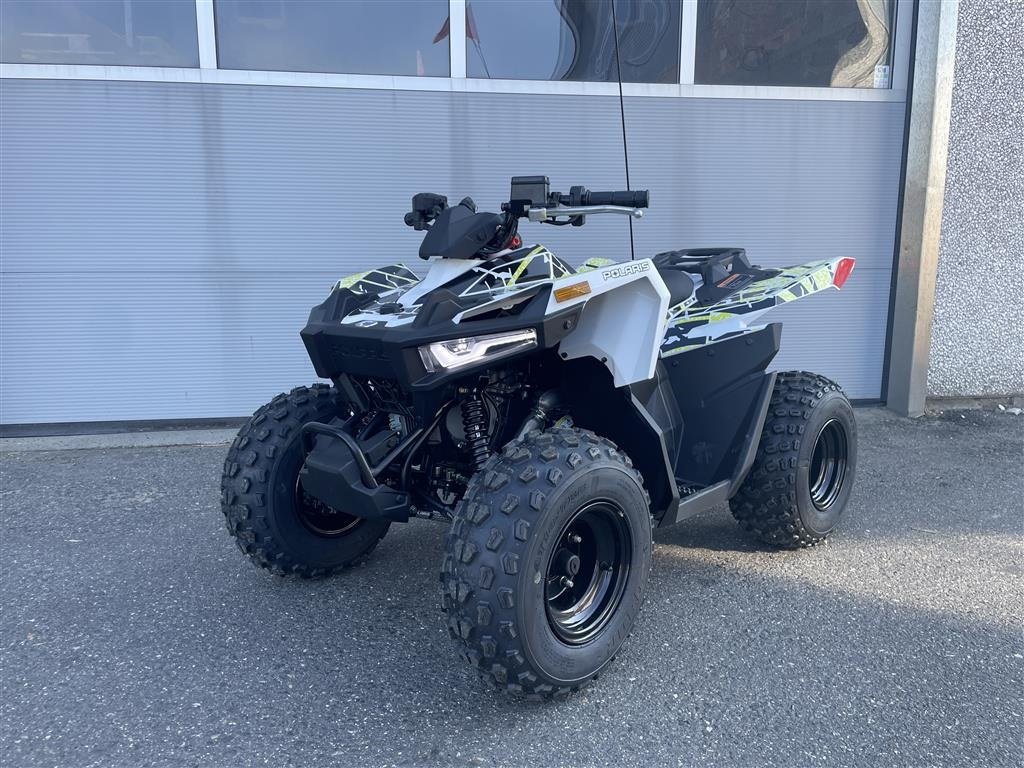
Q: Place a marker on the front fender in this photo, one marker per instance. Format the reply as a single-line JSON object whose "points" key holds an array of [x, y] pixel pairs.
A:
{"points": [[624, 318]]}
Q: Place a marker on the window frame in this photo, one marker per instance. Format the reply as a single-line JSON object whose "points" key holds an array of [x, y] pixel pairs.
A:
{"points": [[457, 82]]}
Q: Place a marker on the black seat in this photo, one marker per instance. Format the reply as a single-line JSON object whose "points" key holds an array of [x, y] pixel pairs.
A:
{"points": [[679, 284]]}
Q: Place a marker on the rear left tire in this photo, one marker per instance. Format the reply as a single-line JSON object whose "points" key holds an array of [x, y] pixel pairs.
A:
{"points": [[802, 476]]}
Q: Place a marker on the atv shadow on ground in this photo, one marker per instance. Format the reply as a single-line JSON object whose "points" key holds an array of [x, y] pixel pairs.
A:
{"points": [[714, 530]]}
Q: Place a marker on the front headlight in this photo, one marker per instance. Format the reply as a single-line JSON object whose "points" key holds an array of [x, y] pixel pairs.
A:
{"points": [[456, 353]]}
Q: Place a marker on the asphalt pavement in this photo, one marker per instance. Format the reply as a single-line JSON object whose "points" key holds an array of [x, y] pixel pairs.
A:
{"points": [[133, 633]]}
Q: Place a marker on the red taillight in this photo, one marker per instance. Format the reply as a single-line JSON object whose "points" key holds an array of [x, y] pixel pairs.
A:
{"points": [[843, 272]]}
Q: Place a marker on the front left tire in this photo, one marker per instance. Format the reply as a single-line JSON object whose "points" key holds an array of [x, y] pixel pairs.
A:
{"points": [[547, 561], [273, 520]]}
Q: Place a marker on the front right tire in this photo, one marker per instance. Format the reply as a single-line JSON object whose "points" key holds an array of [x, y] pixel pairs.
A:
{"points": [[547, 561]]}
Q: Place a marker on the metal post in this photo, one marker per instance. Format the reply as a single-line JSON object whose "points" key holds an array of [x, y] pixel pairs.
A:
{"points": [[457, 38], [205, 27], [924, 186]]}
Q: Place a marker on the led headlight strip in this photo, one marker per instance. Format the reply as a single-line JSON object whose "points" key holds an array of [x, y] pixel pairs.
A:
{"points": [[458, 353]]}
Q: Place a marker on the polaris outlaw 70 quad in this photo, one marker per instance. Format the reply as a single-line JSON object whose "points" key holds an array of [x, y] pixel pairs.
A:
{"points": [[553, 416]]}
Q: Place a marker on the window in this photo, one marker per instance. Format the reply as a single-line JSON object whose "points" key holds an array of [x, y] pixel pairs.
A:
{"points": [[384, 37], [141, 33], [839, 43], [760, 43], [573, 40]]}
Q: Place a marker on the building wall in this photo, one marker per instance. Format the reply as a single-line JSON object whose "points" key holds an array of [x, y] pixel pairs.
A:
{"points": [[978, 332], [163, 242]]}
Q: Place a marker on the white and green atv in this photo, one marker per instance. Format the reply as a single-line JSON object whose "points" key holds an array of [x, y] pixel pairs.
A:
{"points": [[552, 417]]}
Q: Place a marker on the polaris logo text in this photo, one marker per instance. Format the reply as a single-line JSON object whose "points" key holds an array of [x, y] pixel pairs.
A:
{"points": [[624, 270]]}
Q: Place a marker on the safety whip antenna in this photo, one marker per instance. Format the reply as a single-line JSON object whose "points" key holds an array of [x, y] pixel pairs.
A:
{"points": [[622, 116]]}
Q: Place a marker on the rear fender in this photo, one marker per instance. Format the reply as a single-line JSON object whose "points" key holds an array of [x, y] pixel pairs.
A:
{"points": [[696, 325]]}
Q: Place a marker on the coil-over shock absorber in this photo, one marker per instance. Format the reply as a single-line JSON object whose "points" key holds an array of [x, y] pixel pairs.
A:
{"points": [[474, 424]]}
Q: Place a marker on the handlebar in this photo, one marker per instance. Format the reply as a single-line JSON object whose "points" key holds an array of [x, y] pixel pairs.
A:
{"points": [[581, 197], [530, 198], [534, 192]]}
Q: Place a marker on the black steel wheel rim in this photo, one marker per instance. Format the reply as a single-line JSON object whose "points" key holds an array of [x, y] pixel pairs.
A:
{"points": [[320, 518], [828, 464], [587, 572]]}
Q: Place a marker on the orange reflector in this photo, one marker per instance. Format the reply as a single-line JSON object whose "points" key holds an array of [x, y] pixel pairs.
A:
{"points": [[572, 291]]}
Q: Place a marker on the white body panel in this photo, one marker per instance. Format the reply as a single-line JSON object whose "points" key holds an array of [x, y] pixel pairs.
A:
{"points": [[439, 273], [623, 322]]}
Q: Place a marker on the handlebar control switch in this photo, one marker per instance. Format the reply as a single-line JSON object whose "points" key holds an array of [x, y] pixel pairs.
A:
{"points": [[426, 206]]}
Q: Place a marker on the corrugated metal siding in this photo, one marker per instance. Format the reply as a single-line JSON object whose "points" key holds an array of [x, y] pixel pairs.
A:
{"points": [[162, 243]]}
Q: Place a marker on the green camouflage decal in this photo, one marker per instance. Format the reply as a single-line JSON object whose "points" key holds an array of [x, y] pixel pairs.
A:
{"points": [[689, 325], [591, 264], [383, 280], [525, 263], [519, 269], [674, 345]]}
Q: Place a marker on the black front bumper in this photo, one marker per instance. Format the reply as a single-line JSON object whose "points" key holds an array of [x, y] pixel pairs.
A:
{"points": [[338, 472]]}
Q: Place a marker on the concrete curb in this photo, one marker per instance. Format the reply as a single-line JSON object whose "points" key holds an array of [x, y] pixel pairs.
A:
{"points": [[118, 440]]}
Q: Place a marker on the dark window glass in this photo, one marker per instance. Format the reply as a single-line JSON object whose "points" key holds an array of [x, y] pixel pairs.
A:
{"points": [[140, 33], [383, 37], [573, 40], [838, 43]]}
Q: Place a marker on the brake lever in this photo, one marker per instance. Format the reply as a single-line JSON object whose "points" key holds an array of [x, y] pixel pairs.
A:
{"points": [[547, 214]]}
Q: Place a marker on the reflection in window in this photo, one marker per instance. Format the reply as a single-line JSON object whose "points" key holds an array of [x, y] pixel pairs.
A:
{"points": [[573, 40], [140, 33], [840, 43], [383, 37]]}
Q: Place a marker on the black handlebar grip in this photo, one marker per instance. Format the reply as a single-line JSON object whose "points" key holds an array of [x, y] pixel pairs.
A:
{"points": [[630, 199]]}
